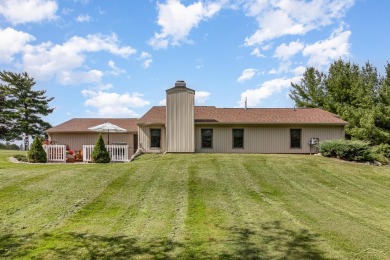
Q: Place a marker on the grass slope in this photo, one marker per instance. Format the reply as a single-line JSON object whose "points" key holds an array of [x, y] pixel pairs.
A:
{"points": [[196, 206]]}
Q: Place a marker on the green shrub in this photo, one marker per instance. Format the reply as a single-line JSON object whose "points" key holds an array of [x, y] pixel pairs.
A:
{"points": [[99, 153], [21, 157], [381, 153], [37, 154], [8, 146], [346, 150]]}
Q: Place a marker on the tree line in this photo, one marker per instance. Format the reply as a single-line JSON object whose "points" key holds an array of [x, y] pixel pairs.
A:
{"points": [[22, 108], [359, 95]]}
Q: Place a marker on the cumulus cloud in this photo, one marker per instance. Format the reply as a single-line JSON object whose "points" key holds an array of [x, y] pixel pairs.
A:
{"points": [[115, 70], [111, 104], [265, 90], [48, 60], [25, 11], [294, 17], [162, 102], [177, 20], [146, 59], [83, 18], [201, 97], [298, 71], [11, 43], [323, 52], [246, 75], [256, 52], [284, 51]]}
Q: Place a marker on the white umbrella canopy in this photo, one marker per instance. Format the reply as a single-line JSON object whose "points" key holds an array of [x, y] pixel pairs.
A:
{"points": [[107, 127]]}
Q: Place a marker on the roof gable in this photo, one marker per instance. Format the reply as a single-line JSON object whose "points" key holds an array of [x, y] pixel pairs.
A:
{"points": [[82, 124]]}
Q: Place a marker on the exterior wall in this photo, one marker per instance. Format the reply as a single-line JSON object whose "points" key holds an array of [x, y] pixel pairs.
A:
{"points": [[77, 140], [265, 139], [144, 138], [180, 120]]}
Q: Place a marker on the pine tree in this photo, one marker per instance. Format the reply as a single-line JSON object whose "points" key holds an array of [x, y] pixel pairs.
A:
{"points": [[37, 154], [311, 91], [357, 94], [99, 153], [23, 107], [3, 124]]}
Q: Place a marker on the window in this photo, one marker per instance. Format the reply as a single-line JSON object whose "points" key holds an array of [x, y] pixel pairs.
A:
{"points": [[207, 138], [155, 137], [295, 137], [238, 138]]}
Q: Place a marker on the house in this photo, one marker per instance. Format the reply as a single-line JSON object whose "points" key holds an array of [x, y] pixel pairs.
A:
{"points": [[182, 127], [75, 133]]}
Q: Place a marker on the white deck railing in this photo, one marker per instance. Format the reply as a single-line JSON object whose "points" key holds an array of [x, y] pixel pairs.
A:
{"points": [[118, 153], [55, 152]]}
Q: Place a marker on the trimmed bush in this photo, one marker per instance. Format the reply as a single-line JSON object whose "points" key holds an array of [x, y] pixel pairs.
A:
{"points": [[21, 157], [381, 153], [37, 154], [99, 153], [346, 150]]}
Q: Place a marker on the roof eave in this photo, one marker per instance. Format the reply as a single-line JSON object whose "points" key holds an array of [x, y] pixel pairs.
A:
{"points": [[269, 123]]}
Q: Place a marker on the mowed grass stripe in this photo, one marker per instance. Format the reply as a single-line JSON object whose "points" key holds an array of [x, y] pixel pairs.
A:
{"points": [[216, 206]]}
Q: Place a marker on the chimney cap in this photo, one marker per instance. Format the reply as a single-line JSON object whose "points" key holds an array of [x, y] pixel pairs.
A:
{"points": [[180, 84]]}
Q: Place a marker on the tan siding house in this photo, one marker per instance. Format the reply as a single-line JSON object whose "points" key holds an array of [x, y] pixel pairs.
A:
{"points": [[182, 127], [75, 133], [235, 130]]}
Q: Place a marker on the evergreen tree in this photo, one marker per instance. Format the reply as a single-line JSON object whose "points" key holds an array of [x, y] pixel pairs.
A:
{"points": [[37, 154], [357, 94], [311, 91], [3, 123], [99, 153], [23, 107]]}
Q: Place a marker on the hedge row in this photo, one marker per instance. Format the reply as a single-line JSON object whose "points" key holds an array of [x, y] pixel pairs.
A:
{"points": [[355, 151]]}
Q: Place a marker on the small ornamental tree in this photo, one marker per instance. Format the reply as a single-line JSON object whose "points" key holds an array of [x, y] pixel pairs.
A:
{"points": [[37, 154], [99, 153]]}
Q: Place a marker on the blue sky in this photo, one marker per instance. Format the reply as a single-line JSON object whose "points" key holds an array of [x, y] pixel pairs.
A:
{"points": [[116, 58]]}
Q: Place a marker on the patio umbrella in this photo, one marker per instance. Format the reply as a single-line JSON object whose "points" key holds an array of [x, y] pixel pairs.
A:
{"points": [[107, 127]]}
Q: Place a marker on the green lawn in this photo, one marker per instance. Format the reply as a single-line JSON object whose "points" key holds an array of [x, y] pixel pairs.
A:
{"points": [[196, 206]]}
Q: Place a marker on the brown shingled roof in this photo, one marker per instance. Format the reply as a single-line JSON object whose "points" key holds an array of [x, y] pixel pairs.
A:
{"points": [[82, 124], [211, 114]]}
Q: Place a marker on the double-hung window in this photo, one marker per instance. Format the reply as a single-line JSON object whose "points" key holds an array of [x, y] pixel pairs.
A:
{"points": [[207, 138], [155, 138], [238, 138], [295, 138]]}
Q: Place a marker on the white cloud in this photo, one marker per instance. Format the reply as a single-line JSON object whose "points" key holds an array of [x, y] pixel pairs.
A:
{"points": [[267, 89], [83, 18], [284, 51], [25, 11], [78, 77], [291, 17], [246, 74], [256, 52], [284, 66], [177, 20], [115, 70], [47, 60], [201, 97], [11, 43], [162, 102], [298, 71], [146, 59], [322, 53], [110, 104]]}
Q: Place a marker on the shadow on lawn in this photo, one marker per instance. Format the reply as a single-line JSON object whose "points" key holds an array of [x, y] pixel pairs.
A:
{"points": [[276, 242], [272, 241]]}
